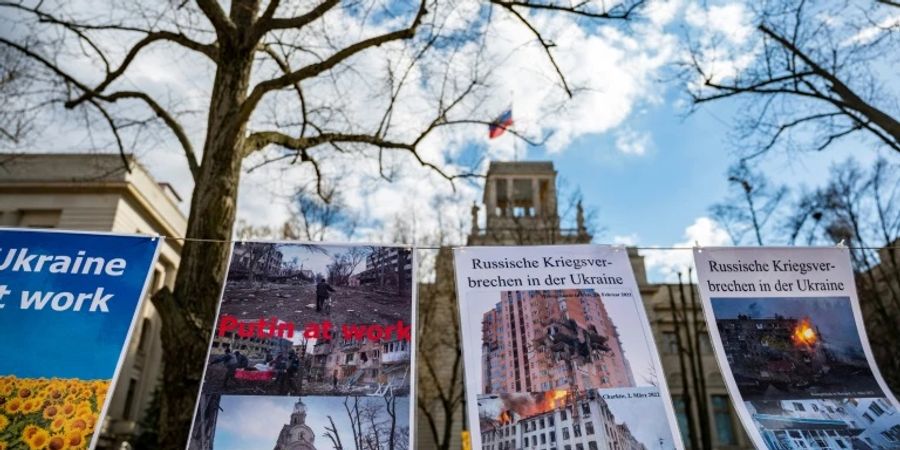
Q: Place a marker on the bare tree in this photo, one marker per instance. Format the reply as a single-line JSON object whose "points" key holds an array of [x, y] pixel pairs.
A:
{"points": [[813, 77], [750, 206], [858, 207], [273, 70]]}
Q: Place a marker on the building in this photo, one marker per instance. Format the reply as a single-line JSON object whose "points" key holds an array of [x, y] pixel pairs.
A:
{"points": [[520, 208], [386, 267], [254, 347], [362, 362], [296, 435], [536, 341], [95, 193], [578, 422], [868, 423]]}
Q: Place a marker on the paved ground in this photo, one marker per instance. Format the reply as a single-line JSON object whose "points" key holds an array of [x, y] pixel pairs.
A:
{"points": [[215, 376], [297, 304]]}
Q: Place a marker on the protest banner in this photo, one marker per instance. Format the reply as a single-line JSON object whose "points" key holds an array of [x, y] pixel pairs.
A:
{"points": [[68, 304], [789, 337], [313, 348], [559, 352]]}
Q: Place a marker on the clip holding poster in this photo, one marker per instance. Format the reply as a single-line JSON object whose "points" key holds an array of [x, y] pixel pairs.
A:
{"points": [[788, 334], [313, 346], [558, 351], [68, 304]]}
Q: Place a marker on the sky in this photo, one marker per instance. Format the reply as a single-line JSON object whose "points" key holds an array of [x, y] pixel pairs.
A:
{"points": [[254, 421], [648, 168], [67, 343], [316, 260]]}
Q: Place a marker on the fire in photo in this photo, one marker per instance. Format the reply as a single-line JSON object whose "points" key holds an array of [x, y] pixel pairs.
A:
{"points": [[561, 339], [850, 423], [239, 422], [794, 348], [303, 319], [626, 419]]}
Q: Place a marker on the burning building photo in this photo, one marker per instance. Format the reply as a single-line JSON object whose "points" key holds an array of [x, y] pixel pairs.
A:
{"points": [[357, 299], [622, 419], [535, 341], [847, 423], [794, 348]]}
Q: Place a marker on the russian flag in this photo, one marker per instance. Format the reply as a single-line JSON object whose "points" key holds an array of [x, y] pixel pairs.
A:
{"points": [[500, 124]]}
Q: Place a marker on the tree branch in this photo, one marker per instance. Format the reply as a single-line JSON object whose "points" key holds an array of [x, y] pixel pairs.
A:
{"points": [[269, 23], [223, 25], [618, 12], [167, 118], [314, 69]]}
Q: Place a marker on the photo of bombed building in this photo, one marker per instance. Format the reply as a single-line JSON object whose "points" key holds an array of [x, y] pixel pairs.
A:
{"points": [[557, 339], [855, 423], [559, 419], [813, 353]]}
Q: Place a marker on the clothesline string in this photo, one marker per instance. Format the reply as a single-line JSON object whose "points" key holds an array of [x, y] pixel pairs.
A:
{"points": [[427, 247]]}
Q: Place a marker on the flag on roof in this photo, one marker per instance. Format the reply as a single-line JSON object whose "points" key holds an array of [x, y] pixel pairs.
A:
{"points": [[500, 124]]}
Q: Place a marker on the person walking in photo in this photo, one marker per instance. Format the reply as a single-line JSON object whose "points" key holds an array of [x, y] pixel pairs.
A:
{"points": [[323, 290]]}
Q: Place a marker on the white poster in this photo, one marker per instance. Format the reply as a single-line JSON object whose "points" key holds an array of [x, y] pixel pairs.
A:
{"points": [[789, 338], [558, 351]]}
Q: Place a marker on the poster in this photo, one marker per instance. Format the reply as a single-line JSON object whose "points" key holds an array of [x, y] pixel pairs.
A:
{"points": [[789, 337], [68, 303], [312, 349], [558, 351]]}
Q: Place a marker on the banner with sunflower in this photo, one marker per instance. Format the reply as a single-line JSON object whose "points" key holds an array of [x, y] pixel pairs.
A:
{"points": [[68, 303]]}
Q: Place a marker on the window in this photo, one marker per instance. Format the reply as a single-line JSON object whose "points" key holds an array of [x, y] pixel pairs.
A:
{"points": [[129, 399], [592, 445], [146, 327], [39, 218], [589, 428], [868, 417], [681, 415], [724, 423], [799, 406], [876, 408], [565, 432], [576, 430], [562, 415], [669, 343]]}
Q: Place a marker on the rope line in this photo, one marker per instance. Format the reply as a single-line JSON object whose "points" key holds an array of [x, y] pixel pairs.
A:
{"points": [[425, 247]]}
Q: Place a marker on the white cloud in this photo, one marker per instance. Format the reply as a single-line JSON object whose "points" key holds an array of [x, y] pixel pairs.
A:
{"points": [[669, 262], [627, 239], [631, 142], [731, 20]]}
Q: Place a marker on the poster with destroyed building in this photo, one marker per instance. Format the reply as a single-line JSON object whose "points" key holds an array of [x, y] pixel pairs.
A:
{"points": [[790, 340], [558, 351], [311, 328]]}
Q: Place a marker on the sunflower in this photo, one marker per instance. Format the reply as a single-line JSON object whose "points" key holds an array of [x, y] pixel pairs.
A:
{"points": [[13, 406], [3, 445], [58, 423], [74, 439], [39, 440], [50, 412], [57, 442], [25, 393], [3, 422], [77, 424], [29, 431]]}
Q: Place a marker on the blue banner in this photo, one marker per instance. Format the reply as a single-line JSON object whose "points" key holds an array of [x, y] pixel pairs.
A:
{"points": [[67, 304]]}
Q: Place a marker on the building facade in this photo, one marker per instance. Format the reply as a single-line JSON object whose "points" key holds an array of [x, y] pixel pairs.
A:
{"points": [[296, 435], [868, 423], [96, 193], [537, 341], [582, 422]]}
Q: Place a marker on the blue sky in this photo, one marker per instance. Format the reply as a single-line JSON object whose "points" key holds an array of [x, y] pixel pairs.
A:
{"points": [[70, 344], [254, 421]]}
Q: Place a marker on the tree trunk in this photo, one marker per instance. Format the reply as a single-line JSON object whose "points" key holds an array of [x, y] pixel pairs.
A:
{"points": [[188, 313]]}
